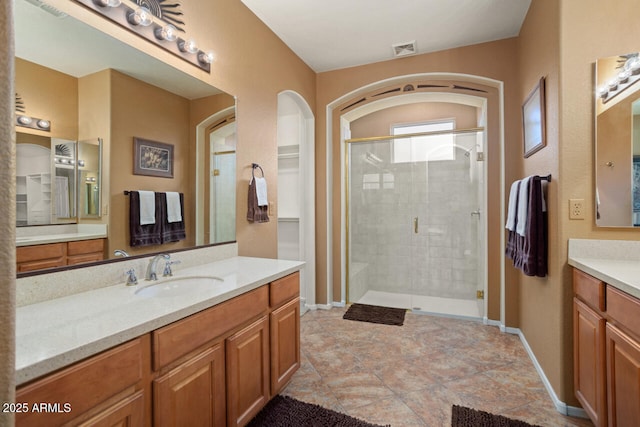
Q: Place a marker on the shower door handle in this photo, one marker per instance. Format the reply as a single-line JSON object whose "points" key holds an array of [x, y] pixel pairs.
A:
{"points": [[476, 212], [415, 225]]}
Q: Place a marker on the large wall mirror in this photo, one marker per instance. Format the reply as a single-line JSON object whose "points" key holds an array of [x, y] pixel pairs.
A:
{"points": [[617, 127], [98, 94]]}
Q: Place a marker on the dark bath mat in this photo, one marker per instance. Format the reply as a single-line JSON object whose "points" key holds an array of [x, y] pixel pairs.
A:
{"points": [[467, 417], [375, 314], [284, 411]]}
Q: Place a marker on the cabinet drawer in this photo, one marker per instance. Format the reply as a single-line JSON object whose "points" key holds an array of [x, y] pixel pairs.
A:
{"points": [[589, 289], [284, 289], [624, 310], [40, 252], [83, 385], [184, 336], [81, 247]]}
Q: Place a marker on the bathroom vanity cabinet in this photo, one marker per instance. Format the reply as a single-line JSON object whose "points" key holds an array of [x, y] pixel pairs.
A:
{"points": [[37, 257], [606, 324], [217, 367]]}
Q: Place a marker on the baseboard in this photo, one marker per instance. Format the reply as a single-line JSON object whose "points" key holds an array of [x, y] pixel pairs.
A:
{"points": [[561, 407]]}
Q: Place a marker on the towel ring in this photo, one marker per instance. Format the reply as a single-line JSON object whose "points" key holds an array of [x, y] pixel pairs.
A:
{"points": [[253, 168]]}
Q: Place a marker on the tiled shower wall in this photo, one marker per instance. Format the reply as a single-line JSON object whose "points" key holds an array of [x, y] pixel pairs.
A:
{"points": [[386, 254]]}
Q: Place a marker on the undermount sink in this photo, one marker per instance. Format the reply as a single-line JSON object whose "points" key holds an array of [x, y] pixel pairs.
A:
{"points": [[174, 286]]}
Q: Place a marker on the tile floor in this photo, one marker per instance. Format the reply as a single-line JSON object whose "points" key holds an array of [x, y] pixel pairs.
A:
{"points": [[410, 375]]}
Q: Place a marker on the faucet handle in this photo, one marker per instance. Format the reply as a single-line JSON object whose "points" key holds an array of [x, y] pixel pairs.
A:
{"points": [[131, 277], [167, 268]]}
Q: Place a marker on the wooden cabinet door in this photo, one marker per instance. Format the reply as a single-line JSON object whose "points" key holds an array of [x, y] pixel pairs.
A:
{"points": [[128, 412], [589, 361], [247, 372], [623, 378], [285, 344], [193, 394]]}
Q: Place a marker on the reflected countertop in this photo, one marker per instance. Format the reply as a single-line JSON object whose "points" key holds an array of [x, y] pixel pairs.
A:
{"points": [[615, 262], [55, 333], [41, 234]]}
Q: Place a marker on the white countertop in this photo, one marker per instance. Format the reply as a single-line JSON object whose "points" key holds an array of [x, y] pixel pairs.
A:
{"points": [[58, 332], [39, 235], [615, 262]]}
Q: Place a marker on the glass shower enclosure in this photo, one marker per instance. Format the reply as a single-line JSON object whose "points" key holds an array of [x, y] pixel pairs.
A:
{"points": [[415, 226]]}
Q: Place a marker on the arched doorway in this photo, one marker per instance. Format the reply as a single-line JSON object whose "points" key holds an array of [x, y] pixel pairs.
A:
{"points": [[296, 189]]}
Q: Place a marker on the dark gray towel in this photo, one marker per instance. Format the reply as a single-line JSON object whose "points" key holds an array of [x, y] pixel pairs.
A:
{"points": [[143, 235], [172, 231], [529, 252], [255, 213]]}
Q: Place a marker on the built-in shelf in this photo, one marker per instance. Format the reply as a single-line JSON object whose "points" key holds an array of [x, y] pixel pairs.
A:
{"points": [[288, 219]]}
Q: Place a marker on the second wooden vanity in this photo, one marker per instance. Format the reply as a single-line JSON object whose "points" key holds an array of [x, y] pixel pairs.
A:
{"points": [[606, 324], [216, 367]]}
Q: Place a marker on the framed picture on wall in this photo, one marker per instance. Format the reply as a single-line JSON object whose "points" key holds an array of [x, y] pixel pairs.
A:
{"points": [[152, 158], [533, 120]]}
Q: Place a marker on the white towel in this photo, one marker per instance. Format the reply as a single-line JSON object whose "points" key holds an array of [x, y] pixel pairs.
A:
{"points": [[511, 212], [261, 191], [174, 212], [523, 206], [147, 207]]}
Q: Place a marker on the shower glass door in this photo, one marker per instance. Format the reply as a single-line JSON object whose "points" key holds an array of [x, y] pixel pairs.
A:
{"points": [[414, 223]]}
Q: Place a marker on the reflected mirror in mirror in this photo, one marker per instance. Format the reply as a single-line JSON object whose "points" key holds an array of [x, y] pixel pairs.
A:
{"points": [[45, 180], [86, 56], [89, 178], [617, 125]]}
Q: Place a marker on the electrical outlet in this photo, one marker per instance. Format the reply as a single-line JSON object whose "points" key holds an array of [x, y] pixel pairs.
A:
{"points": [[576, 208]]}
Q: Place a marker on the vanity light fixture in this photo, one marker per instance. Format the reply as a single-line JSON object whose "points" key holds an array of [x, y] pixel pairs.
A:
{"points": [[148, 20], [33, 123], [629, 74]]}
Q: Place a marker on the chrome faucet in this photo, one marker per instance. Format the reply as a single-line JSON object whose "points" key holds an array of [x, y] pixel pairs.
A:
{"points": [[120, 252], [151, 268]]}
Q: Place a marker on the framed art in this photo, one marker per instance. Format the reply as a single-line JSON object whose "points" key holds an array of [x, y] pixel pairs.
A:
{"points": [[533, 120], [152, 158]]}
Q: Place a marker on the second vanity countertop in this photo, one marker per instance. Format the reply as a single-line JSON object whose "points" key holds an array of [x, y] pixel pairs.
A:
{"points": [[58, 332], [43, 234], [615, 262]]}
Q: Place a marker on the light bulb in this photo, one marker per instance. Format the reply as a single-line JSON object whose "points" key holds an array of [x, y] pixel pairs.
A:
{"points": [[189, 46], [24, 120], [206, 58], [623, 76], [43, 124], [105, 3], [168, 33], [141, 16], [603, 92]]}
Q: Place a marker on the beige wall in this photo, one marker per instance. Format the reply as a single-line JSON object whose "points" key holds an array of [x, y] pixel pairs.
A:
{"points": [[50, 95], [145, 111]]}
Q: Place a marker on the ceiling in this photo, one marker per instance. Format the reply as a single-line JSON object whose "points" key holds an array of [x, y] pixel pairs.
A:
{"points": [[334, 34]]}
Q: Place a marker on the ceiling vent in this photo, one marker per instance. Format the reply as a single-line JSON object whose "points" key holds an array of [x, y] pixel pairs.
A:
{"points": [[405, 49]]}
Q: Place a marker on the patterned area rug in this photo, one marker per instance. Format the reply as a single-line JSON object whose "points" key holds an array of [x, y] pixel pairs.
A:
{"points": [[284, 411], [375, 314], [467, 417]]}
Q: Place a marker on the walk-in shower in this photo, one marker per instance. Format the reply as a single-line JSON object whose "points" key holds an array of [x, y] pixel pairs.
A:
{"points": [[415, 225]]}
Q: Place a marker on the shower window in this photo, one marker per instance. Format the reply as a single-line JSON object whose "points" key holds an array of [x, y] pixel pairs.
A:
{"points": [[423, 148]]}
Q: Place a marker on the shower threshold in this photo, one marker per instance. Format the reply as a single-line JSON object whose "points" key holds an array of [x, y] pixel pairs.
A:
{"points": [[464, 308]]}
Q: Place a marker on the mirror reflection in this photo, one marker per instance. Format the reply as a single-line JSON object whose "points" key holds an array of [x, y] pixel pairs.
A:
{"points": [[617, 125], [66, 73]]}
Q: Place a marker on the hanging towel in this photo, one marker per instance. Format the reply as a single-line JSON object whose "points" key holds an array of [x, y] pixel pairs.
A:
{"points": [[62, 197], [529, 251], [257, 204], [147, 207], [144, 234], [523, 206], [511, 247], [261, 191], [174, 210], [172, 231], [513, 203]]}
